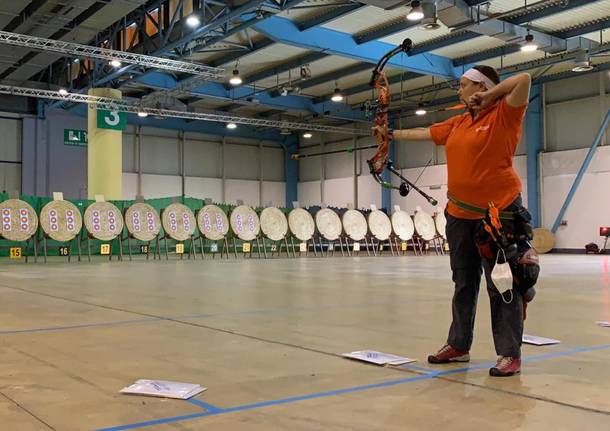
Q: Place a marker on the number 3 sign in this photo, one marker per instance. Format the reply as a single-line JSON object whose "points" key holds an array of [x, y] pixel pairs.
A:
{"points": [[112, 120]]}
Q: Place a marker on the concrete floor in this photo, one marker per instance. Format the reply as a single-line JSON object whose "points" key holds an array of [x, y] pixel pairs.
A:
{"points": [[263, 336]]}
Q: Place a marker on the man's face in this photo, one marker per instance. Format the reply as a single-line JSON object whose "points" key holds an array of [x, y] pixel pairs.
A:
{"points": [[468, 88]]}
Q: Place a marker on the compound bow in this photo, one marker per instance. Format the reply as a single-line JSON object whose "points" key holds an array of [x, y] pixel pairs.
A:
{"points": [[381, 159]]}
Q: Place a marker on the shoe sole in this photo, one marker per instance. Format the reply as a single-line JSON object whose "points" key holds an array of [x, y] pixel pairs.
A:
{"points": [[499, 374], [434, 360]]}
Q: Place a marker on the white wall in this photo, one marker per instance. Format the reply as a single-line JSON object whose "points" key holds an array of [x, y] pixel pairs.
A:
{"points": [[590, 208], [238, 169]]}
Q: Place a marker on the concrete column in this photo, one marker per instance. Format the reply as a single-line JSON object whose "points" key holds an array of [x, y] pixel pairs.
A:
{"points": [[105, 153], [291, 170], [534, 145]]}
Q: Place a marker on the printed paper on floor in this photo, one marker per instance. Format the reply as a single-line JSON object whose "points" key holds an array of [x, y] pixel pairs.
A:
{"points": [[539, 341], [164, 389], [378, 358]]}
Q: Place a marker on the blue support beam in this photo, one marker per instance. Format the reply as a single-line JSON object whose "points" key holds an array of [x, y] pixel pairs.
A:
{"points": [[328, 16], [343, 44], [395, 79], [534, 145], [284, 67], [230, 58], [246, 94], [291, 169], [335, 75], [581, 172]]}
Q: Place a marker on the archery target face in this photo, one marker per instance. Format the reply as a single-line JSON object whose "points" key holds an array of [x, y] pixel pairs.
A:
{"points": [[18, 220], [178, 222], [104, 221], [142, 221], [245, 223], [213, 222], [61, 220]]}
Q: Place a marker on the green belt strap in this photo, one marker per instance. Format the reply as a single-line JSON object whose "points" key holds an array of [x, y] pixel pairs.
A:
{"points": [[504, 215]]}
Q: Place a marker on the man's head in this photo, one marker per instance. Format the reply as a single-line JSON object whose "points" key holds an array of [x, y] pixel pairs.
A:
{"points": [[479, 78]]}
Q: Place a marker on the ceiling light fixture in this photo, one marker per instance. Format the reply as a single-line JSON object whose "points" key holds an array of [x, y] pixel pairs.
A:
{"points": [[142, 114], [307, 135], [235, 79], [529, 45], [63, 91], [193, 21], [417, 12], [231, 126], [421, 111], [115, 63], [337, 96]]}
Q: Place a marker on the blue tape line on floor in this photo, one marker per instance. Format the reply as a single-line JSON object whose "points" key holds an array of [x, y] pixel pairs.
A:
{"points": [[81, 326], [208, 407], [347, 390]]}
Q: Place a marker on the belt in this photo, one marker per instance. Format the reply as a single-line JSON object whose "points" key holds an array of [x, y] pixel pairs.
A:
{"points": [[504, 215]]}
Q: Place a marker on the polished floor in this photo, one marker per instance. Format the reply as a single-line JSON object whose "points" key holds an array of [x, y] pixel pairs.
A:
{"points": [[264, 337]]}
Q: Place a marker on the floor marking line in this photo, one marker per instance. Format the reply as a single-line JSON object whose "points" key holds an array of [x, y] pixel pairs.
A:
{"points": [[208, 407], [79, 326], [361, 388], [27, 411]]}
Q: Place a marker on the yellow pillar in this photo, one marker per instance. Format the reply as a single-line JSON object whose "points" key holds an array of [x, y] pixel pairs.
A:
{"points": [[105, 153]]}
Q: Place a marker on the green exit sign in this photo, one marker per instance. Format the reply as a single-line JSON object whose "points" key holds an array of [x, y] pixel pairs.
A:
{"points": [[111, 120], [76, 138]]}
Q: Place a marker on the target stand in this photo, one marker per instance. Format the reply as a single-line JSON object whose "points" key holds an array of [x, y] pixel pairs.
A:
{"points": [[274, 227], [245, 225], [61, 221], [179, 225], [355, 229], [143, 227], [380, 228], [425, 231], [104, 222], [403, 232], [213, 226], [330, 229], [18, 225], [301, 226]]}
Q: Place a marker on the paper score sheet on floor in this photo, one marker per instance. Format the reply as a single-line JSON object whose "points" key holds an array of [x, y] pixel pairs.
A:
{"points": [[539, 341], [378, 358], [164, 389]]}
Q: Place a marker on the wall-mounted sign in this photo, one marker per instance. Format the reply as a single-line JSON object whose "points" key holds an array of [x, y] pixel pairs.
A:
{"points": [[111, 120], [77, 138]]}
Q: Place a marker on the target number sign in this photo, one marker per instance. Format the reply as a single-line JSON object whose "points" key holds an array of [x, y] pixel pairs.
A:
{"points": [[356, 246], [246, 247], [111, 120], [64, 251], [105, 249], [143, 249], [303, 247], [179, 248], [15, 252], [214, 248], [403, 246]]}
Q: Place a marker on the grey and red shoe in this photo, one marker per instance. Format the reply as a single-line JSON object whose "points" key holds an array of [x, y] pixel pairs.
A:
{"points": [[505, 367], [448, 354]]}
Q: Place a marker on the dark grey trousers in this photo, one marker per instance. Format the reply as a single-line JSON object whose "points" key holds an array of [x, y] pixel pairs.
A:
{"points": [[467, 267]]}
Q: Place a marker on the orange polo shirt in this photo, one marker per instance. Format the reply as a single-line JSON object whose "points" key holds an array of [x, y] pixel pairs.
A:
{"points": [[480, 154]]}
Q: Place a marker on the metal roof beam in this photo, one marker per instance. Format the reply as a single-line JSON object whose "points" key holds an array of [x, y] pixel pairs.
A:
{"points": [[329, 16], [343, 44], [590, 27], [380, 33], [284, 67]]}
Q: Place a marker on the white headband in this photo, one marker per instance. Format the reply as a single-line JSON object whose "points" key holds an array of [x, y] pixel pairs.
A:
{"points": [[476, 76]]}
